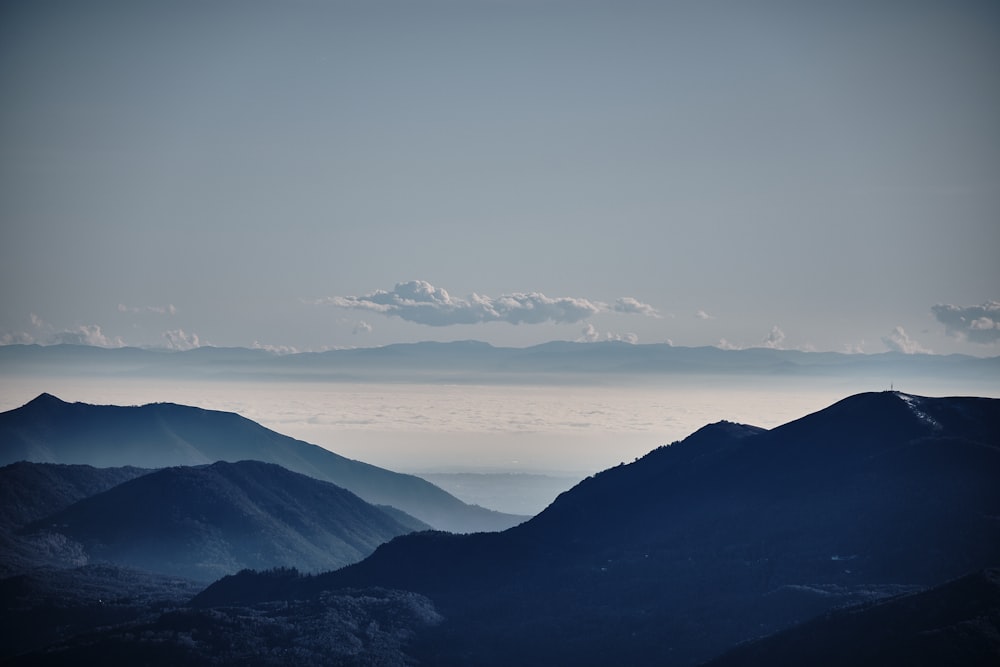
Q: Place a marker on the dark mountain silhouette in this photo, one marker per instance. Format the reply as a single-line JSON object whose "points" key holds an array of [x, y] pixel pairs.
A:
{"points": [[732, 534], [164, 434], [957, 623], [207, 521]]}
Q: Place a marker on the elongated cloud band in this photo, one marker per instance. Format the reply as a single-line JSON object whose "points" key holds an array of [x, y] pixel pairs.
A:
{"points": [[419, 301], [979, 324]]}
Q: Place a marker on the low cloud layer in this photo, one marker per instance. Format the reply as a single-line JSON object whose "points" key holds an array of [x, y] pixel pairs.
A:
{"points": [[900, 341], [978, 324], [419, 301]]}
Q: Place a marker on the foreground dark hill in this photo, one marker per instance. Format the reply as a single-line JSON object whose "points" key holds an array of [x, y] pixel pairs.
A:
{"points": [[729, 535], [956, 623], [162, 435], [44, 605], [207, 521]]}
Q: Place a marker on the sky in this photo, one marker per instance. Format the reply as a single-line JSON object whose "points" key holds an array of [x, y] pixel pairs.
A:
{"points": [[309, 174]]}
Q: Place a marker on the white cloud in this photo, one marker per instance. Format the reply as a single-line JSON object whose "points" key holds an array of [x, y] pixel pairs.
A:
{"points": [[726, 345], [419, 301], [362, 327], [900, 341], [23, 337], [978, 324], [274, 349], [627, 304], [45, 334], [774, 339], [702, 315], [855, 348], [178, 339], [87, 334], [17, 338], [592, 335]]}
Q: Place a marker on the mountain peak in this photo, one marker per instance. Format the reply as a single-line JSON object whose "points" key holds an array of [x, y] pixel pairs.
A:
{"points": [[727, 429], [45, 399]]}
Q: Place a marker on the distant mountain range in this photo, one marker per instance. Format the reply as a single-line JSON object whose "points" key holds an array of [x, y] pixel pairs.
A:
{"points": [[476, 361], [732, 534], [163, 435], [204, 522]]}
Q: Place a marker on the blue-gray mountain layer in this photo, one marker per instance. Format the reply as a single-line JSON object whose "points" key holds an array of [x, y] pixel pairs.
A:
{"points": [[164, 434], [203, 522]]}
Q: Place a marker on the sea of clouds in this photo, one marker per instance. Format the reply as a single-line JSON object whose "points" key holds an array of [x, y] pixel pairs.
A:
{"points": [[440, 427]]}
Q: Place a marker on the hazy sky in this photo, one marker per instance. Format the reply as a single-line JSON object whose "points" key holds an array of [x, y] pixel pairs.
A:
{"points": [[309, 174]]}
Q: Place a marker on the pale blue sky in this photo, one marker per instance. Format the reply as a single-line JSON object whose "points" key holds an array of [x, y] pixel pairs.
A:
{"points": [[804, 174]]}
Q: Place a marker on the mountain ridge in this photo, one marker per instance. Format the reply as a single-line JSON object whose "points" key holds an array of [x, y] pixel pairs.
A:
{"points": [[202, 522], [710, 541], [160, 435]]}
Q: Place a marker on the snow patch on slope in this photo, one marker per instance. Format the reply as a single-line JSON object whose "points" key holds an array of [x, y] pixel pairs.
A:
{"points": [[914, 403]]}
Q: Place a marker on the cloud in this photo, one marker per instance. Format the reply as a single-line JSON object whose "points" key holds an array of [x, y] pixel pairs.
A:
{"points": [[592, 335], [45, 334], [362, 327], [702, 315], [854, 348], [178, 339], [900, 341], [419, 301], [23, 337], [978, 324], [16, 338], [169, 309], [627, 304], [774, 339], [274, 349], [87, 334]]}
